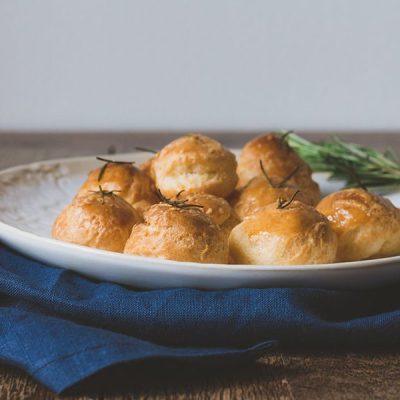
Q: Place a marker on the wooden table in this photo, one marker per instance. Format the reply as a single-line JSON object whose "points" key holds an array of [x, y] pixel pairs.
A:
{"points": [[282, 375]]}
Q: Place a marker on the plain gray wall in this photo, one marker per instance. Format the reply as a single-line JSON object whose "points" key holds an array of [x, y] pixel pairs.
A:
{"points": [[91, 64]]}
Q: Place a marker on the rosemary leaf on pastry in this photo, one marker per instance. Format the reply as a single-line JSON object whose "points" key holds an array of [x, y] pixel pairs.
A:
{"points": [[176, 203]]}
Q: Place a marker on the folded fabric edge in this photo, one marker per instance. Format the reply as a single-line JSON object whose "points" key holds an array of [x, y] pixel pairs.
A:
{"points": [[61, 374]]}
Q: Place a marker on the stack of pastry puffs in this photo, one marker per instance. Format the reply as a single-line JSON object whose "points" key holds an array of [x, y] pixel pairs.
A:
{"points": [[193, 201]]}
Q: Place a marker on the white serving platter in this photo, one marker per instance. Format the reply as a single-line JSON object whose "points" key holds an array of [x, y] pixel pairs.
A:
{"points": [[32, 195]]}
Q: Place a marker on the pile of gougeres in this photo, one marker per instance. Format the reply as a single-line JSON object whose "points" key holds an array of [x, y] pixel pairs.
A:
{"points": [[192, 201]]}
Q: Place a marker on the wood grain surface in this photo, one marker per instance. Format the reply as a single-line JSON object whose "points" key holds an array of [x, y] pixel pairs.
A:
{"points": [[283, 375]]}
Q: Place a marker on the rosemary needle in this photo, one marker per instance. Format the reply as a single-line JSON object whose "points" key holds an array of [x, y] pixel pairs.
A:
{"points": [[107, 163], [282, 203], [103, 193], [146, 149], [183, 204], [283, 182]]}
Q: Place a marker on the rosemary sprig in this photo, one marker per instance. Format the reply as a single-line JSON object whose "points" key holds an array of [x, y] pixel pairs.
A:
{"points": [[145, 149], [114, 161], [282, 203], [283, 182], [182, 204], [289, 176], [349, 161], [107, 163], [264, 172], [103, 193]]}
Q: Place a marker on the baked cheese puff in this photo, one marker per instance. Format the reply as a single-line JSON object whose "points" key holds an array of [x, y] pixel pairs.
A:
{"points": [[127, 181], [261, 191], [279, 160], [367, 225], [97, 219], [181, 233], [195, 164], [287, 233], [217, 208]]}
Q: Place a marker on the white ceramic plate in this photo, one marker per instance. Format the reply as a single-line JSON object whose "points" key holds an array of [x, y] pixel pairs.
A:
{"points": [[32, 195]]}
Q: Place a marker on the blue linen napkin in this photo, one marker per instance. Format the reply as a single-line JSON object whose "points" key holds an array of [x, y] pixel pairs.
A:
{"points": [[61, 328]]}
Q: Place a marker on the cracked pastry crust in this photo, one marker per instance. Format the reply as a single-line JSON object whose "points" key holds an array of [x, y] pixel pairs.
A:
{"points": [[296, 234], [367, 225], [128, 182], [104, 222], [217, 208], [196, 164], [180, 234]]}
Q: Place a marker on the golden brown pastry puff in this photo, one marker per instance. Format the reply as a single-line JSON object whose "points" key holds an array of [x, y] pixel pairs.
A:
{"points": [[217, 208], [367, 225], [181, 234], [195, 163], [279, 160], [128, 182], [295, 234], [97, 219], [262, 191]]}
